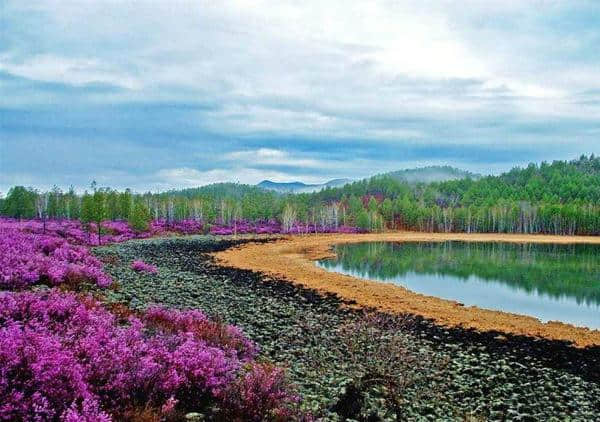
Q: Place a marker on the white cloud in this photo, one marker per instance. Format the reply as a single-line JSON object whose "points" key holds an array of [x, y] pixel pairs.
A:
{"points": [[189, 177], [70, 71], [272, 157], [376, 78]]}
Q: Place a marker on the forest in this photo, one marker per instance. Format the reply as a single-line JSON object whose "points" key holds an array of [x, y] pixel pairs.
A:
{"points": [[549, 198]]}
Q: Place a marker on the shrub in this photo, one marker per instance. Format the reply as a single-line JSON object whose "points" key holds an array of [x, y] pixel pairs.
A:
{"points": [[64, 356], [27, 259], [141, 266], [187, 226], [393, 365], [195, 321], [261, 394]]}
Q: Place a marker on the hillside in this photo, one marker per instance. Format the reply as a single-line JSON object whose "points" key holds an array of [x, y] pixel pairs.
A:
{"points": [[557, 182], [431, 174], [217, 191]]}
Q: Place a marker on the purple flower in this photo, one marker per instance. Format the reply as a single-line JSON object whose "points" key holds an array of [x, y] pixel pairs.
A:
{"points": [[64, 356], [28, 258], [141, 266]]}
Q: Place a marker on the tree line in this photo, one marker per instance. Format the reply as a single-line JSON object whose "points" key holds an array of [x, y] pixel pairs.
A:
{"points": [[557, 198]]}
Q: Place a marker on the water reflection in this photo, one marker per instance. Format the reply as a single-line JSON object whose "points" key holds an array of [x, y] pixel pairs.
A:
{"points": [[548, 281]]}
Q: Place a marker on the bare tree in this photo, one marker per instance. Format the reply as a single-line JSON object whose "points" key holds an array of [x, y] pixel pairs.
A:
{"points": [[41, 204], [288, 217]]}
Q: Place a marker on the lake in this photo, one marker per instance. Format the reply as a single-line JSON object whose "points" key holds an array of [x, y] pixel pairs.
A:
{"points": [[551, 282]]}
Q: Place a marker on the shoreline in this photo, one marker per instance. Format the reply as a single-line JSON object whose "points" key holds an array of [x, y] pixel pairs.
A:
{"points": [[483, 375], [292, 258]]}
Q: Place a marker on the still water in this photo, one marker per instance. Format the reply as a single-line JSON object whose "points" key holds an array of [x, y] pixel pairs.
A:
{"points": [[550, 282]]}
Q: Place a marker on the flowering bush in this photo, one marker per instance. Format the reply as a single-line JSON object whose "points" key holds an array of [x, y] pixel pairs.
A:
{"points": [[67, 357], [74, 231], [260, 394], [141, 266], [54, 251], [188, 226], [197, 322], [246, 227], [27, 259], [111, 231], [120, 231]]}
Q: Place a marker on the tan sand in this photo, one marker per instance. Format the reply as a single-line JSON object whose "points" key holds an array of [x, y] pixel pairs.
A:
{"points": [[292, 258]]}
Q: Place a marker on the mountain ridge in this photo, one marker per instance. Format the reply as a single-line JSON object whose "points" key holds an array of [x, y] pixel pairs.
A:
{"points": [[301, 187], [426, 174]]}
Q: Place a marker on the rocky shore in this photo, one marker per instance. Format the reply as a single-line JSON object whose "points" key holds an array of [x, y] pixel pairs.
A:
{"points": [[351, 363]]}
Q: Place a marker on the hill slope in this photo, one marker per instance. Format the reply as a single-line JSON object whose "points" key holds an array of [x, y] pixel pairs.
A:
{"points": [[431, 174]]}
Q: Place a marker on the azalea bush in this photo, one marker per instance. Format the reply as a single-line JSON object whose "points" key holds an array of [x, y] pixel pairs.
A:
{"points": [[55, 252], [141, 266], [27, 259], [74, 231], [110, 231], [120, 231], [186, 226], [67, 357], [262, 393]]}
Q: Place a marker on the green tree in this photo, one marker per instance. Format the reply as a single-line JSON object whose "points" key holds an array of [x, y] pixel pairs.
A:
{"points": [[139, 217], [99, 211], [355, 206], [20, 203], [124, 204], [362, 220], [87, 212], [372, 205], [387, 211]]}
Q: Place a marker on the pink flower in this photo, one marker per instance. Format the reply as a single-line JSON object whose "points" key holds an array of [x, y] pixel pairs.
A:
{"points": [[141, 266], [81, 361]]}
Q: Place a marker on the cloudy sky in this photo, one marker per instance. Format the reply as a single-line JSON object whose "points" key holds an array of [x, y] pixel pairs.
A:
{"points": [[154, 95]]}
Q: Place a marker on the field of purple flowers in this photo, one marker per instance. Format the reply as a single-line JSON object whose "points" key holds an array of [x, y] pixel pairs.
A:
{"points": [[54, 252], [66, 356]]}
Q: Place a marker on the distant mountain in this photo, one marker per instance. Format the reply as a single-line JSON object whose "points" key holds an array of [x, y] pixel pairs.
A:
{"points": [[431, 174], [299, 187], [418, 175]]}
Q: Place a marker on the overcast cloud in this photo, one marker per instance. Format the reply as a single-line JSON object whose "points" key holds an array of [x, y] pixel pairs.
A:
{"points": [[155, 95]]}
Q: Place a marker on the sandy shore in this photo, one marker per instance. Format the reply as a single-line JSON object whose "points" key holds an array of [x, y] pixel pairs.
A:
{"points": [[293, 258]]}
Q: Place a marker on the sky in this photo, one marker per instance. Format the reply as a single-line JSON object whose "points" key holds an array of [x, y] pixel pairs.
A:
{"points": [[157, 95]]}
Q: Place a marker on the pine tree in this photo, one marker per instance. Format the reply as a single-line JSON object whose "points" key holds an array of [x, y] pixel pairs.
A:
{"points": [[140, 217], [87, 212]]}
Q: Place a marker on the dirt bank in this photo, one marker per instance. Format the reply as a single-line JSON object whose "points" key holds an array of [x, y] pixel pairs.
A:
{"points": [[292, 258]]}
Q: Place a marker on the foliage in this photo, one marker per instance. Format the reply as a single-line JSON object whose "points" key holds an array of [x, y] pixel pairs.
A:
{"points": [[19, 203], [66, 357]]}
